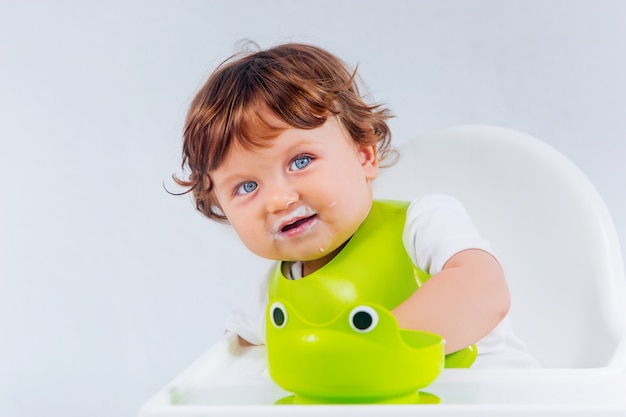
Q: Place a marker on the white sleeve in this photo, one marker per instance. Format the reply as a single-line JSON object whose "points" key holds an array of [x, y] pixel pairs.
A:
{"points": [[247, 319], [438, 227]]}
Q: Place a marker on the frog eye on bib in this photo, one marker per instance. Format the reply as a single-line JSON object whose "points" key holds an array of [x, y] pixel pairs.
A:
{"points": [[363, 319], [278, 314]]}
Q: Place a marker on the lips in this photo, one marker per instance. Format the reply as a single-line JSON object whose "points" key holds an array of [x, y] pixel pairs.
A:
{"points": [[297, 222]]}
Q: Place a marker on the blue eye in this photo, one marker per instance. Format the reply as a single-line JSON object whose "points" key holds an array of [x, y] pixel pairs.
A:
{"points": [[246, 187], [300, 162]]}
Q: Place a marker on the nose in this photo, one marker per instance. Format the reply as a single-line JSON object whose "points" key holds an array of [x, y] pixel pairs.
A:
{"points": [[281, 197]]}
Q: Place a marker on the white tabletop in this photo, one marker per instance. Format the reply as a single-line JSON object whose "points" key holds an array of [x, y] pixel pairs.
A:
{"points": [[230, 380]]}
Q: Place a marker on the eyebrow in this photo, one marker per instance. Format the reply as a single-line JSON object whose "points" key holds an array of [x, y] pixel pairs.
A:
{"points": [[228, 180]]}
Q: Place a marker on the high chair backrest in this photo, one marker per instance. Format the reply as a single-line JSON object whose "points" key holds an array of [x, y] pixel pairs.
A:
{"points": [[548, 226]]}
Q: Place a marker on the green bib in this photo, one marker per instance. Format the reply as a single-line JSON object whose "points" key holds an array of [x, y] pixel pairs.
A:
{"points": [[373, 267]]}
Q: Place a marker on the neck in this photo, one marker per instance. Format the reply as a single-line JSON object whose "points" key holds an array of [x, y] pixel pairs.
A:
{"points": [[308, 267]]}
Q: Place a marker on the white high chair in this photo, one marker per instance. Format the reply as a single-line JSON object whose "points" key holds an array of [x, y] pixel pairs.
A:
{"points": [[560, 252]]}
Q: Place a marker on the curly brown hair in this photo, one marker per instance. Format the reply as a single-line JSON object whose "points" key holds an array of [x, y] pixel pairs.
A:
{"points": [[299, 84]]}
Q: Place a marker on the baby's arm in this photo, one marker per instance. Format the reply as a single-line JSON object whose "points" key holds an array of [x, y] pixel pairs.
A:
{"points": [[467, 295], [462, 303]]}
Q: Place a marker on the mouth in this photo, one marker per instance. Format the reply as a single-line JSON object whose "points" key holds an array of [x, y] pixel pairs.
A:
{"points": [[297, 227], [300, 221], [297, 223]]}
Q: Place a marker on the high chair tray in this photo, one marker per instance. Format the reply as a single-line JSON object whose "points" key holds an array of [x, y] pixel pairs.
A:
{"points": [[229, 380]]}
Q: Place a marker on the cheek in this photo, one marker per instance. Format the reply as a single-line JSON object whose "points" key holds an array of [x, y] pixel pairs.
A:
{"points": [[251, 237], [245, 227], [351, 185], [237, 220]]}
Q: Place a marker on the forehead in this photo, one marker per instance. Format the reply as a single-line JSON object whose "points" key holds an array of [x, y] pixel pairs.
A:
{"points": [[248, 155], [247, 130]]}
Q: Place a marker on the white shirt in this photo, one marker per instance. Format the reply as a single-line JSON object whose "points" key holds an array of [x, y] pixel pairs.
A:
{"points": [[437, 228]]}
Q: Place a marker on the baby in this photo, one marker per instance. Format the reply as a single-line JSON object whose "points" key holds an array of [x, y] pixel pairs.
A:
{"points": [[281, 145]]}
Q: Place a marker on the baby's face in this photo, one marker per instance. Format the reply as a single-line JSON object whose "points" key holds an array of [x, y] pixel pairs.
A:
{"points": [[301, 197]]}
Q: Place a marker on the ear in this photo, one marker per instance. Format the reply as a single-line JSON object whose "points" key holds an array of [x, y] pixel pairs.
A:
{"points": [[369, 160]]}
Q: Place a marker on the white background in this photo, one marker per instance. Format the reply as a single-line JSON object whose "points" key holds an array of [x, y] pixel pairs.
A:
{"points": [[109, 286]]}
